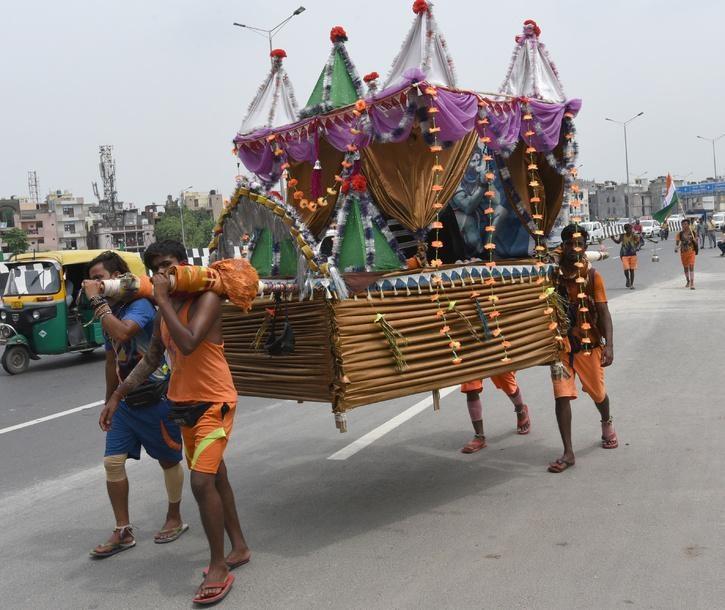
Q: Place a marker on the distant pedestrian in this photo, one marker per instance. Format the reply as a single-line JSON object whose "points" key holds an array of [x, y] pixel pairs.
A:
{"points": [[700, 232], [665, 230], [628, 253], [710, 232], [505, 382], [588, 346], [721, 243], [687, 245]]}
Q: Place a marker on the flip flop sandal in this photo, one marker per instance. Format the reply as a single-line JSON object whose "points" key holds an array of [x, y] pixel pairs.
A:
{"points": [[610, 443], [175, 534], [474, 445], [114, 548], [231, 566], [225, 587], [559, 466], [523, 426]]}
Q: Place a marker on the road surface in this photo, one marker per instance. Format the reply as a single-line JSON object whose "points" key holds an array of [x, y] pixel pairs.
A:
{"points": [[407, 521]]}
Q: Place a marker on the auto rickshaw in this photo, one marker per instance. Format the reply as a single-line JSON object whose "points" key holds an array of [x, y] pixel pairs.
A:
{"points": [[40, 310]]}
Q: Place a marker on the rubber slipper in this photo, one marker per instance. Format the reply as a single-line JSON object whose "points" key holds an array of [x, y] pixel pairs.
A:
{"points": [[231, 566], [559, 466], [115, 550], [175, 534], [225, 587], [474, 445]]}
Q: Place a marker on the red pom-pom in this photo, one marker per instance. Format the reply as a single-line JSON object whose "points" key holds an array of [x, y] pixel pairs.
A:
{"points": [[338, 34], [533, 24], [420, 6], [281, 53], [345, 187], [370, 77], [359, 183]]}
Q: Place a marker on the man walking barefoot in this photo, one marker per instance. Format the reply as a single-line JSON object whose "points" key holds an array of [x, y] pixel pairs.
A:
{"points": [[204, 397], [472, 389], [141, 423], [589, 320]]}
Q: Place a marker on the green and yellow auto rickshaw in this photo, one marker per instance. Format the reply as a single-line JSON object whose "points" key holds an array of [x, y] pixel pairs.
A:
{"points": [[40, 310]]}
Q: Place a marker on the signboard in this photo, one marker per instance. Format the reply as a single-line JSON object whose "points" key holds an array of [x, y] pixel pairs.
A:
{"points": [[698, 190]]}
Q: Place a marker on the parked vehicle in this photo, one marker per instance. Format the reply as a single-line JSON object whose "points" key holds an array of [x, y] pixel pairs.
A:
{"points": [[41, 312]]}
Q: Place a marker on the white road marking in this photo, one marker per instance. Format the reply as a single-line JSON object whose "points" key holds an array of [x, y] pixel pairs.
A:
{"points": [[388, 426], [40, 420]]}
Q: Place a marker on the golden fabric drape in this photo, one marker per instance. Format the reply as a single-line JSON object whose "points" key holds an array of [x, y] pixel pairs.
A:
{"points": [[330, 159], [551, 195], [400, 176]]}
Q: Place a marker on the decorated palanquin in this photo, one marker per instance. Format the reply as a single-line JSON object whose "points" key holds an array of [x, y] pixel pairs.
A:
{"points": [[398, 228]]}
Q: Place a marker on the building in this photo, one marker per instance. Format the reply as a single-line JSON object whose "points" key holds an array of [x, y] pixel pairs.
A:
{"points": [[40, 225], [73, 215], [611, 200], [9, 219], [134, 232], [212, 201]]}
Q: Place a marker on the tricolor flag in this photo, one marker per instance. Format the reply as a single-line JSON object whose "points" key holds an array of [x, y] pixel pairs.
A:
{"points": [[670, 203]]}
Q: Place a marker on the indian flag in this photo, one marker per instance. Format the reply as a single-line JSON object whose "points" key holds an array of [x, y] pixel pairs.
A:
{"points": [[670, 203]]}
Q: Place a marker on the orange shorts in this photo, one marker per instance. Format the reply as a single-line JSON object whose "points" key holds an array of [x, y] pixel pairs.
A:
{"points": [[504, 381], [629, 263], [688, 258], [590, 372], [205, 442]]}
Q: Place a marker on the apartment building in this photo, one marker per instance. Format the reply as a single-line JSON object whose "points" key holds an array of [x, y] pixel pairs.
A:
{"points": [[73, 217], [212, 201]]}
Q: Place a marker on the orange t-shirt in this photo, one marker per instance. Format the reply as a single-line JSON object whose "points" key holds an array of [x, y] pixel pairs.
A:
{"points": [[203, 375]]}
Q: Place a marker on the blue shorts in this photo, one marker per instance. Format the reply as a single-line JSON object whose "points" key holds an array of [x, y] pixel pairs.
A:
{"points": [[149, 427]]}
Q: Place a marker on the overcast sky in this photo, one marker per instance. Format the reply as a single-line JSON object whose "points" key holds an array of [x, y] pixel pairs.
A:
{"points": [[167, 81]]}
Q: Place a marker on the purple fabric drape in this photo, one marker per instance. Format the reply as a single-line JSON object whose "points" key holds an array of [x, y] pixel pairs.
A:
{"points": [[504, 125], [547, 118], [458, 112], [300, 147], [337, 132], [259, 159], [456, 116]]}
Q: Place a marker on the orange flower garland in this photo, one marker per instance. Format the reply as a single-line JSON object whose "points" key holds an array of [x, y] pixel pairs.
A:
{"points": [[437, 244], [490, 246]]}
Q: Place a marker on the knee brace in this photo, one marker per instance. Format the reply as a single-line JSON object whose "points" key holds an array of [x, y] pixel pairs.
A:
{"points": [[115, 466], [174, 480]]}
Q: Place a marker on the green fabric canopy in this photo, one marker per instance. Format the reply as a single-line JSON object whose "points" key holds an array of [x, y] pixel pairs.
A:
{"points": [[352, 250], [342, 90]]}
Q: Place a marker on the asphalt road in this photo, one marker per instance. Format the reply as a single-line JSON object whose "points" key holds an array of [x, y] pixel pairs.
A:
{"points": [[408, 521]]}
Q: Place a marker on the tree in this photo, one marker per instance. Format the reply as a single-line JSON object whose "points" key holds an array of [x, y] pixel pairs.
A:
{"points": [[198, 226], [16, 240]]}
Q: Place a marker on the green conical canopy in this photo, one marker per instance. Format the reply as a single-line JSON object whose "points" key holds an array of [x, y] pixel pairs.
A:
{"points": [[342, 89], [353, 253]]}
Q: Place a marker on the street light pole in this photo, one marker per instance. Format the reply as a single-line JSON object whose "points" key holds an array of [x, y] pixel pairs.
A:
{"points": [[714, 159], [626, 157], [272, 32], [181, 214]]}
